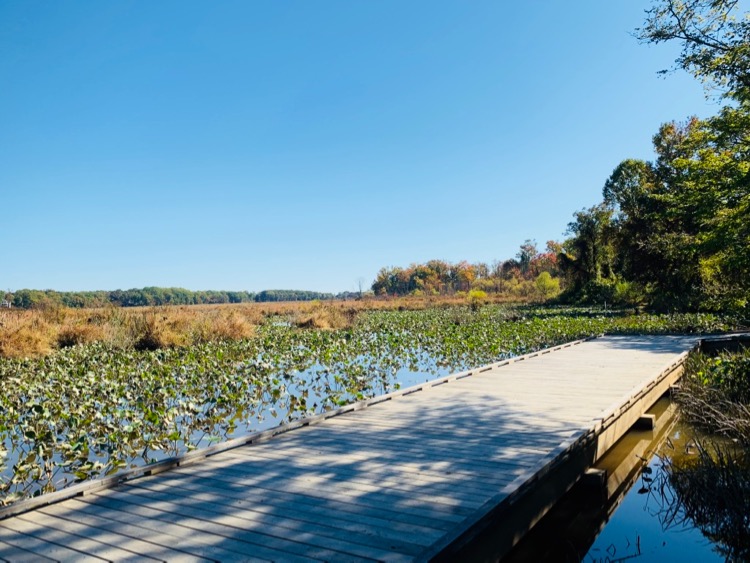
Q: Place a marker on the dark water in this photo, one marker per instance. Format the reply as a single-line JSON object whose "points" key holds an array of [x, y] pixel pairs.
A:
{"points": [[635, 519], [639, 529]]}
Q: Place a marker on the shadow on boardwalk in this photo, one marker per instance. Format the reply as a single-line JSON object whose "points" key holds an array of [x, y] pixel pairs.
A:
{"points": [[341, 490], [385, 483]]}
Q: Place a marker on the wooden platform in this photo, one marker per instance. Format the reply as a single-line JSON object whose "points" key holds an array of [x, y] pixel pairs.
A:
{"points": [[413, 477]]}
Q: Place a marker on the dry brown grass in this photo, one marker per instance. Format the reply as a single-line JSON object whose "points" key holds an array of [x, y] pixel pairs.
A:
{"points": [[25, 333], [326, 316], [71, 334], [39, 332]]}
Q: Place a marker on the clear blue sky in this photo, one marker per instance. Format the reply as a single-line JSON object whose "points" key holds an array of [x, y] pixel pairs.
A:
{"points": [[300, 144]]}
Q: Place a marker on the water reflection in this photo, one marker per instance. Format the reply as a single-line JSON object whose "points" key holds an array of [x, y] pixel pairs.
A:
{"points": [[635, 514]]}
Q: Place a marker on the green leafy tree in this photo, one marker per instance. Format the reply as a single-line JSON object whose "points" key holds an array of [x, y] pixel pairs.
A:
{"points": [[547, 286], [715, 41], [588, 256]]}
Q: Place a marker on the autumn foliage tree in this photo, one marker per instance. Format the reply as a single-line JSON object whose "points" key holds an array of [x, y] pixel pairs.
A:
{"points": [[515, 277]]}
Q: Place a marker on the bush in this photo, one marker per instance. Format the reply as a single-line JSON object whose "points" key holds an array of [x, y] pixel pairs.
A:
{"points": [[73, 334], [715, 394], [476, 298], [547, 286], [628, 294]]}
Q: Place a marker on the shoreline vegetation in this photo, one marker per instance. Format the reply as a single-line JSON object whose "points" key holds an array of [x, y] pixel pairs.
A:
{"points": [[42, 330], [95, 408], [708, 484]]}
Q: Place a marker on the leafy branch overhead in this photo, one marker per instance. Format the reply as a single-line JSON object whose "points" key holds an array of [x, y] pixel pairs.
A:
{"points": [[715, 41]]}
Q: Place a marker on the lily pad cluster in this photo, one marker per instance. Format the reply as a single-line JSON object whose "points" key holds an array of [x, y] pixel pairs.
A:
{"points": [[92, 410]]}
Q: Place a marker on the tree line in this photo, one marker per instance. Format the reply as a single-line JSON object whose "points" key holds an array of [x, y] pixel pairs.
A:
{"points": [[530, 273], [674, 233], [152, 296]]}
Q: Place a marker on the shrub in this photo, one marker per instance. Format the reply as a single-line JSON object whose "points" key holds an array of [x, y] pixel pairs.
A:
{"points": [[547, 286], [476, 298], [73, 334]]}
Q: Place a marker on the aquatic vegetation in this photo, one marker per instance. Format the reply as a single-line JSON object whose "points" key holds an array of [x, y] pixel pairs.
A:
{"points": [[715, 393], [93, 409], [708, 485]]}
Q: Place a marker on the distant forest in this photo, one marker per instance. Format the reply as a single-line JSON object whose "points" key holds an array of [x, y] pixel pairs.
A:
{"points": [[152, 296]]}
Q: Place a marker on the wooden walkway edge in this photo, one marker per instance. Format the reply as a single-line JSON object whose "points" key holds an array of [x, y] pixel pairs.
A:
{"points": [[414, 475]]}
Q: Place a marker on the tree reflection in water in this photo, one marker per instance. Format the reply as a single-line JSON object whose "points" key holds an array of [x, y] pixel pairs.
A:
{"points": [[709, 490]]}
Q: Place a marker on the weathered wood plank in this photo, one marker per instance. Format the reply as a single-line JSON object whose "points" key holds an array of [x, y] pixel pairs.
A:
{"points": [[364, 471], [387, 499], [163, 545], [341, 534], [214, 518], [207, 545], [49, 543], [19, 554], [362, 478], [429, 450], [455, 463], [476, 480], [96, 541], [219, 529], [327, 521], [395, 478]]}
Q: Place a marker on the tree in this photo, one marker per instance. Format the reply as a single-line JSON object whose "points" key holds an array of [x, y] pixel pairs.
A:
{"points": [[680, 226], [715, 41], [525, 255], [547, 286], [588, 256]]}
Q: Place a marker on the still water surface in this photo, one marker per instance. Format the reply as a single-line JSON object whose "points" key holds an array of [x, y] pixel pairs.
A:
{"points": [[635, 522]]}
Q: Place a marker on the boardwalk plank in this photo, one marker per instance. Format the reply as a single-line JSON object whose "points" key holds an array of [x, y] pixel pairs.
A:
{"points": [[14, 553], [205, 545], [228, 521], [358, 471], [52, 546], [387, 500], [160, 544], [394, 481], [479, 481], [96, 541], [291, 524], [220, 529], [80, 538], [304, 476], [273, 503]]}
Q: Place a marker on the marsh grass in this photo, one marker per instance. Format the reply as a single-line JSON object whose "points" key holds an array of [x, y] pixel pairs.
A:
{"points": [[325, 316], [25, 333], [38, 332]]}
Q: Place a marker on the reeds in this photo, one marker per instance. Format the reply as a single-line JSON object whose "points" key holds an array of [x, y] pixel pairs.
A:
{"points": [[715, 394], [39, 332], [35, 333]]}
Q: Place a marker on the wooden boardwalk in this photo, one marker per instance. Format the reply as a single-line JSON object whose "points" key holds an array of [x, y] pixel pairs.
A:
{"points": [[412, 477]]}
